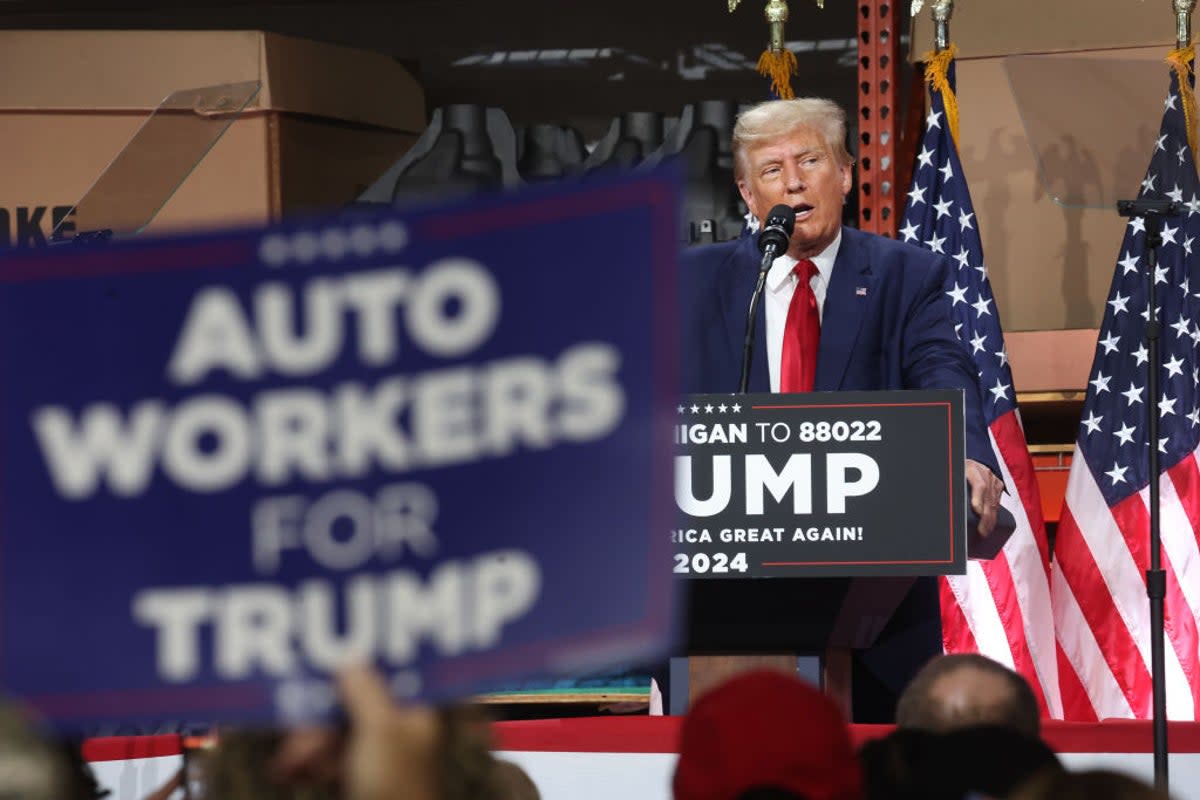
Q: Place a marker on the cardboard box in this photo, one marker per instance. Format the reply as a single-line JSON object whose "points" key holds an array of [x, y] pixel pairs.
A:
{"points": [[325, 123], [1050, 265], [981, 28]]}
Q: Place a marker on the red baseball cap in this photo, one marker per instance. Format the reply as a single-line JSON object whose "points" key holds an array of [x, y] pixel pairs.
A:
{"points": [[765, 728]]}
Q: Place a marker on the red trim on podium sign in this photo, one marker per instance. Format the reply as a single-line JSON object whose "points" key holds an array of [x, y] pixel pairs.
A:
{"points": [[125, 748], [661, 735]]}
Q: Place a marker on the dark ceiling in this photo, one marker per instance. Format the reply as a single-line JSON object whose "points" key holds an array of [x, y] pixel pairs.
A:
{"points": [[541, 61]]}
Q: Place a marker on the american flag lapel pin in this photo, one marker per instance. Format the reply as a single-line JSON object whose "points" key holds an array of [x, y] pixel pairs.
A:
{"points": [[861, 291]]}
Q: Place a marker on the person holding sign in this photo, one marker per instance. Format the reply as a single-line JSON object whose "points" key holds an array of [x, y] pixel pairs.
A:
{"points": [[843, 310]]}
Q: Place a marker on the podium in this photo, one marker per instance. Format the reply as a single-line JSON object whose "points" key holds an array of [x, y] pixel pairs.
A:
{"points": [[824, 509]]}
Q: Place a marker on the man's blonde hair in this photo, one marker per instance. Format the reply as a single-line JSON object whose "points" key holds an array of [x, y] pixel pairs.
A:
{"points": [[775, 118]]}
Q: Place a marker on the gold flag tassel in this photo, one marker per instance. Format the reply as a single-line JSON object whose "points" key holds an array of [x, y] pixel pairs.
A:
{"points": [[1181, 61], [937, 65], [777, 62]]}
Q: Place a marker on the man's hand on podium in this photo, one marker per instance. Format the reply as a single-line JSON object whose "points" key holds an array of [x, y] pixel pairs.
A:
{"points": [[986, 489]]}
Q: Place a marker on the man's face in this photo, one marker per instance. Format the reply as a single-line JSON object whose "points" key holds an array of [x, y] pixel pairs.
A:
{"points": [[800, 171]]}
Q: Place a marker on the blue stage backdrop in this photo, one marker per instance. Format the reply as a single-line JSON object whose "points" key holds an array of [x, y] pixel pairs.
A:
{"points": [[437, 439]]}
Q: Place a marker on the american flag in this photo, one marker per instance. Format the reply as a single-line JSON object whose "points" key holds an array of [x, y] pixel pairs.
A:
{"points": [[1000, 608], [1102, 615]]}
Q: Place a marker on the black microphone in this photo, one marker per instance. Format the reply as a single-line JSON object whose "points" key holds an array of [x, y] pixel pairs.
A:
{"points": [[776, 233]]}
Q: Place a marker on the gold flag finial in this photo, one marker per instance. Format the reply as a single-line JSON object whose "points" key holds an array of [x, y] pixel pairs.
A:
{"points": [[776, 14], [941, 10], [777, 62], [1183, 22], [733, 4]]}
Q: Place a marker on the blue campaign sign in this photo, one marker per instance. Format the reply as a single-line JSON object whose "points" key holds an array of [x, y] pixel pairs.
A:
{"points": [[437, 439]]}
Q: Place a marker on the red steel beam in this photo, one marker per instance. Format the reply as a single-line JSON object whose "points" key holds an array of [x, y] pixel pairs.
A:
{"points": [[878, 51]]}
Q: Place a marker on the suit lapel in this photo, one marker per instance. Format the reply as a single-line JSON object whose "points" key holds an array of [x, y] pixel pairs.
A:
{"points": [[736, 288], [851, 287]]}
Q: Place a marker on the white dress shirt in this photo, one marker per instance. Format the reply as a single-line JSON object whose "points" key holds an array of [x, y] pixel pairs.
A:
{"points": [[777, 297]]}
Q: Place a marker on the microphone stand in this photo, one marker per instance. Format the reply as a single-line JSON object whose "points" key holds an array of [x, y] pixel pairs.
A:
{"points": [[1153, 212], [764, 267]]}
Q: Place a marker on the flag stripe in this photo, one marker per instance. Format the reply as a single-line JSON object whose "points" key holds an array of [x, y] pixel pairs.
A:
{"points": [[1184, 550], [1076, 704], [1098, 605], [1009, 439], [978, 606], [1184, 555], [1101, 693], [1034, 599], [1004, 593], [1133, 518], [957, 636], [1179, 620], [1031, 631]]}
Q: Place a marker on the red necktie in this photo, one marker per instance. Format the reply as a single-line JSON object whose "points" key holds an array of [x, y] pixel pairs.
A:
{"points": [[801, 333]]}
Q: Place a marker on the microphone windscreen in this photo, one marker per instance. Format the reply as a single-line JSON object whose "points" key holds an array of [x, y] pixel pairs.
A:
{"points": [[783, 216], [777, 228]]}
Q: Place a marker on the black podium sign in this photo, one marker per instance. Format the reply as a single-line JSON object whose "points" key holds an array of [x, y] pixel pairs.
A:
{"points": [[821, 484]]}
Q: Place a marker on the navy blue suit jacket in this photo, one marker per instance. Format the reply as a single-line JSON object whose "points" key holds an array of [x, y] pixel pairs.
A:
{"points": [[886, 324]]}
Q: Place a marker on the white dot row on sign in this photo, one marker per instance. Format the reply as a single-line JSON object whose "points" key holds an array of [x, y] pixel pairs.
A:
{"points": [[333, 244]]}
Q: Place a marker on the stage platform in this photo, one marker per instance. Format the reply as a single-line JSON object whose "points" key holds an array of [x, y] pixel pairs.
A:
{"points": [[590, 758]]}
